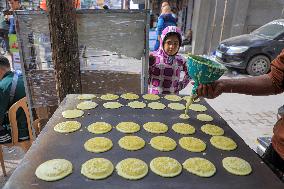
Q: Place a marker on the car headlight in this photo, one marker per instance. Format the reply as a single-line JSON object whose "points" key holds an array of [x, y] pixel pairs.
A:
{"points": [[237, 50]]}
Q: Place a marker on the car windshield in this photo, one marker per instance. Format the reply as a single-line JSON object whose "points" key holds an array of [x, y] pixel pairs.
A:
{"points": [[271, 30]]}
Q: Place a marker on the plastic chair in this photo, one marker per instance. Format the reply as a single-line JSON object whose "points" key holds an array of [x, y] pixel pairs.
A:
{"points": [[25, 145]]}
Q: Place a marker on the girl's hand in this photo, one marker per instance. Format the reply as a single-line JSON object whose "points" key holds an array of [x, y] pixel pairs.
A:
{"points": [[151, 60]]}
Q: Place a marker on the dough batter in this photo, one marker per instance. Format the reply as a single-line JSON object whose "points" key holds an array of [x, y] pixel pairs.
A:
{"points": [[128, 127], [70, 114], [137, 105], [98, 144], [131, 143], [53, 170], [109, 96], [200, 167], [223, 143], [192, 144], [165, 166], [97, 168], [183, 128], [213, 130], [67, 127], [99, 128], [236, 166], [163, 143], [132, 169], [151, 97], [112, 105], [87, 105], [86, 96], [155, 127], [156, 106]]}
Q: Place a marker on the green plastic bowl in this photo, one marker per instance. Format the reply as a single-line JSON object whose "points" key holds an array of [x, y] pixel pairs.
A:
{"points": [[203, 70]]}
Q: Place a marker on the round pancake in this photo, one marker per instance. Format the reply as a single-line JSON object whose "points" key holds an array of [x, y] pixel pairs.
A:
{"points": [[112, 105], [204, 117], [200, 167], [156, 106], [131, 143], [155, 127], [183, 128], [173, 98], [97, 168], [236, 166], [165, 166], [132, 169], [86, 96], [197, 107], [192, 144], [71, 114], [151, 97], [137, 105], [223, 143], [99, 128], [67, 127], [163, 143], [128, 127], [213, 130], [98, 144], [53, 170], [87, 105], [176, 106], [109, 96], [129, 96]]}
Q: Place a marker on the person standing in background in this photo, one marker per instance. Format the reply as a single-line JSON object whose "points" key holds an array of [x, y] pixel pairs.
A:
{"points": [[165, 19], [164, 3], [14, 5]]}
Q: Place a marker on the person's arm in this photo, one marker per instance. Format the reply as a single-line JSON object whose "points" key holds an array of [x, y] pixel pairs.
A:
{"points": [[186, 78], [260, 85], [277, 73], [267, 84], [4, 104], [152, 60], [160, 26]]}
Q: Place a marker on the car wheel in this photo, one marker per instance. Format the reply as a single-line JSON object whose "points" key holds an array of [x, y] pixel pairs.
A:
{"points": [[258, 65]]}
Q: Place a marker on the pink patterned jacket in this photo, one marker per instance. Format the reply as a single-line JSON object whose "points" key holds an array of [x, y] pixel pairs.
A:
{"points": [[165, 71]]}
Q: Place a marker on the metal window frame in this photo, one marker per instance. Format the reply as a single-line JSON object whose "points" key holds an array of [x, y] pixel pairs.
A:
{"points": [[145, 58]]}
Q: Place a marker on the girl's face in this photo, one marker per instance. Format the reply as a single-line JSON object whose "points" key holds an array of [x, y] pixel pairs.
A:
{"points": [[171, 45]]}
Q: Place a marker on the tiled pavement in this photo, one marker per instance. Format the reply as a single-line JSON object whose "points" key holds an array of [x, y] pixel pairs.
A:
{"points": [[249, 116]]}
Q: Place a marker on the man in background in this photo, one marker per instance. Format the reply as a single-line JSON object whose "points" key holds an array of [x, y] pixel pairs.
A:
{"points": [[11, 90]]}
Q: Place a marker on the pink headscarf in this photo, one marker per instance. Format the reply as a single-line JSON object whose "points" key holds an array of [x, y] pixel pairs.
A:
{"points": [[165, 33]]}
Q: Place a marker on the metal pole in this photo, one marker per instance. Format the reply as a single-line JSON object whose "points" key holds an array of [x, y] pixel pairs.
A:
{"points": [[213, 25], [147, 4], [145, 59], [223, 21]]}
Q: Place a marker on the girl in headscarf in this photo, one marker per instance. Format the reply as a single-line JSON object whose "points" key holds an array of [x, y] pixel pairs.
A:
{"points": [[165, 65]]}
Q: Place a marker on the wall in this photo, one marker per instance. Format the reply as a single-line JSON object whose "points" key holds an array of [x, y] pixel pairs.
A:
{"points": [[189, 14], [263, 11]]}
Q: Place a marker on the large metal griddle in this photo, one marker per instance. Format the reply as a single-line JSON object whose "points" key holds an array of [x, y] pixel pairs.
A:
{"points": [[50, 145]]}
